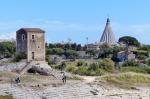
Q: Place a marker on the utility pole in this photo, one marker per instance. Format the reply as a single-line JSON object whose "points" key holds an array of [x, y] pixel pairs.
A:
{"points": [[87, 42], [69, 42]]}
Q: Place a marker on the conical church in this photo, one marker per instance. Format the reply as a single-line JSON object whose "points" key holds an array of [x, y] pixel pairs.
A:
{"points": [[108, 36]]}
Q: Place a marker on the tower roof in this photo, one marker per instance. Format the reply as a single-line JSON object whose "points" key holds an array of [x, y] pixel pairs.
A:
{"points": [[108, 35], [38, 30]]}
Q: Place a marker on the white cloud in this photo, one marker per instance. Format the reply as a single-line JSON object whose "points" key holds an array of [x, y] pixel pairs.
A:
{"points": [[7, 36]]}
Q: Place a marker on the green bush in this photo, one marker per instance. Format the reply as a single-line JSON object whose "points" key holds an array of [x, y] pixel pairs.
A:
{"points": [[54, 51], [145, 70], [70, 54], [62, 66], [93, 66], [80, 63], [99, 72], [82, 70], [90, 68], [107, 64], [141, 57], [147, 62], [130, 63], [19, 57], [91, 73], [71, 68]]}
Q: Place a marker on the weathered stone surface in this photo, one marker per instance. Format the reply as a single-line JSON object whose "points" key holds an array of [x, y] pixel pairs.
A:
{"points": [[32, 42], [74, 90]]}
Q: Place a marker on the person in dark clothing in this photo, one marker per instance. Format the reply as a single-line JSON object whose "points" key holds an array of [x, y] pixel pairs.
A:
{"points": [[17, 80], [62, 66], [64, 78]]}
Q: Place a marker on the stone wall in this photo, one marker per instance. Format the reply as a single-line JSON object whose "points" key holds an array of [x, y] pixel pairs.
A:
{"points": [[21, 43], [37, 46], [31, 46]]}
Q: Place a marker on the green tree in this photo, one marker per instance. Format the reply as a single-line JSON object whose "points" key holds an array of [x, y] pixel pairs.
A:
{"points": [[54, 51], [7, 49], [129, 40], [70, 54], [74, 46], [105, 51], [50, 45]]}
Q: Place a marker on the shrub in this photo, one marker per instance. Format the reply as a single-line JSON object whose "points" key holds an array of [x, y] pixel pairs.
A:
{"points": [[48, 60], [19, 57], [93, 66], [129, 78], [147, 62], [145, 70], [82, 70], [141, 56], [126, 80], [107, 64], [70, 54], [54, 51], [99, 72], [71, 68], [62, 66], [91, 73], [130, 63], [80, 63]]}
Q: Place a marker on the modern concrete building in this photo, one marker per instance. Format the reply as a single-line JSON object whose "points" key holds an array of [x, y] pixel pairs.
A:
{"points": [[108, 35], [31, 41]]}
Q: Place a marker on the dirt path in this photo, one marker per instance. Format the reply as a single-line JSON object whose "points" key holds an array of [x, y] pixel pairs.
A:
{"points": [[89, 79]]}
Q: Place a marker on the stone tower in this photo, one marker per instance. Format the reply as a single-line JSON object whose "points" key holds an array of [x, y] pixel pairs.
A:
{"points": [[108, 36], [31, 41]]}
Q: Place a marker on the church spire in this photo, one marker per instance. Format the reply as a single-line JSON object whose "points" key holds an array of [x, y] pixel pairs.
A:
{"points": [[108, 20], [108, 35]]}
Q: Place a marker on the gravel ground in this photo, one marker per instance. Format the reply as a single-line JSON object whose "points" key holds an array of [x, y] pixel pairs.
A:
{"points": [[72, 90]]}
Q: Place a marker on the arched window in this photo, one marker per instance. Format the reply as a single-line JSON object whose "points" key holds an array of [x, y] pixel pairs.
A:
{"points": [[23, 37], [33, 37]]}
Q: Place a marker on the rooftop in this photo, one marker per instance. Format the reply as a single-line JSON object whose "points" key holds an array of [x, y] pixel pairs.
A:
{"points": [[38, 30]]}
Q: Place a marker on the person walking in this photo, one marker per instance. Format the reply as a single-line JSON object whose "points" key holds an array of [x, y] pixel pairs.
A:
{"points": [[64, 78], [17, 79]]}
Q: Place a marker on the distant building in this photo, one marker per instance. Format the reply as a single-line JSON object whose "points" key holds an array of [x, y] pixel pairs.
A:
{"points": [[108, 35], [130, 47], [123, 55], [31, 41], [92, 47], [81, 54]]}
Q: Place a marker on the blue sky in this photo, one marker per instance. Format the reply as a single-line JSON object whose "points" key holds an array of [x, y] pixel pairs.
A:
{"points": [[76, 19]]}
